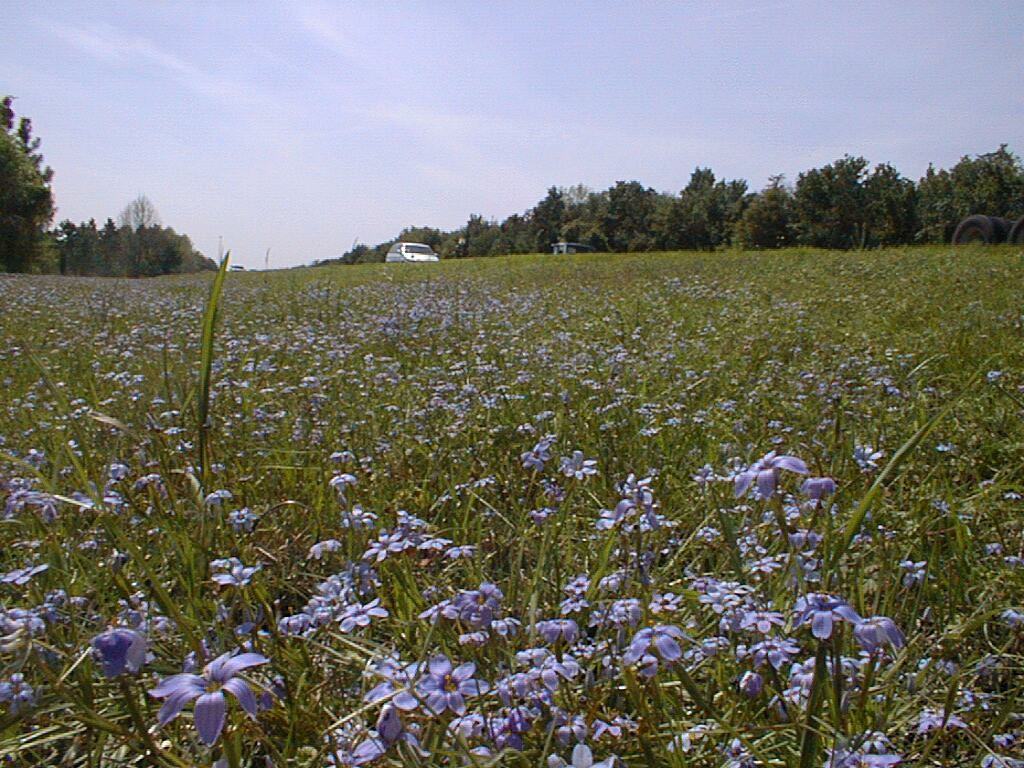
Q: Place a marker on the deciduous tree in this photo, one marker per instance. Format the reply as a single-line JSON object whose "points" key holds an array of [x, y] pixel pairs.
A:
{"points": [[891, 207], [831, 204], [769, 219], [627, 221], [990, 184], [546, 220]]}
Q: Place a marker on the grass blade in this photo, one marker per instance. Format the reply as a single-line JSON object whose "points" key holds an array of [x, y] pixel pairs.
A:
{"points": [[857, 519], [206, 365]]}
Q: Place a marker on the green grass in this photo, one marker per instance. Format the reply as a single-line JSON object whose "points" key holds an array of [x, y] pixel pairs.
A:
{"points": [[427, 384]]}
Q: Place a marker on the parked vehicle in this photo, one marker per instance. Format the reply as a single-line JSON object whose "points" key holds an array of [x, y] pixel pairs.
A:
{"points": [[571, 248], [410, 252], [989, 230]]}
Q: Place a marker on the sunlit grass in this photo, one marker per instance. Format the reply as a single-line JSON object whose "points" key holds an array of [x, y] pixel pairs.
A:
{"points": [[897, 374]]}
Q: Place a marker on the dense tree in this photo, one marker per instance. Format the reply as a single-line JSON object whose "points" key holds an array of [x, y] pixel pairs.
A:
{"points": [[703, 215], [831, 204], [547, 219], [845, 204], [891, 207], [26, 202], [78, 248], [584, 217], [120, 251], [768, 220], [991, 184], [140, 225], [480, 236], [515, 235], [626, 224]]}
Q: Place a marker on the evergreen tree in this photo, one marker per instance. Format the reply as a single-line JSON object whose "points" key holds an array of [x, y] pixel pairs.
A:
{"points": [[26, 202]]}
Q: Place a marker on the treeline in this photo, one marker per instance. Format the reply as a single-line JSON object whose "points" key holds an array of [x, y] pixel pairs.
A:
{"points": [[120, 251], [136, 246], [846, 204]]}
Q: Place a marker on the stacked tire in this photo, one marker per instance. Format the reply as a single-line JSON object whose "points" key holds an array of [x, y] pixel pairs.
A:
{"points": [[1016, 235], [987, 230]]}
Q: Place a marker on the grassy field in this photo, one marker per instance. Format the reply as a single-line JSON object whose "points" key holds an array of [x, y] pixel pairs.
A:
{"points": [[724, 510]]}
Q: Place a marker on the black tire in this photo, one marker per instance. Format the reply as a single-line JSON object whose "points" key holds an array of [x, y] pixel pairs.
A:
{"points": [[975, 229], [1017, 232], [1000, 229]]}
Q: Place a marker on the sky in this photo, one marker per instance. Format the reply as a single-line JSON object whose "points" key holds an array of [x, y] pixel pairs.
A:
{"points": [[304, 126]]}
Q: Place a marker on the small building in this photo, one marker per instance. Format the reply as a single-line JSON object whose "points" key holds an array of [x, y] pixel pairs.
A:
{"points": [[572, 248]]}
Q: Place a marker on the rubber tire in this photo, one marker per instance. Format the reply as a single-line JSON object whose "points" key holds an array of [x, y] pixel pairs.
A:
{"points": [[975, 229], [1017, 232], [1001, 229]]}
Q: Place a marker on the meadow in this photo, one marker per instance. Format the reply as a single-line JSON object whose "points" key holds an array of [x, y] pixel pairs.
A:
{"points": [[722, 509]]}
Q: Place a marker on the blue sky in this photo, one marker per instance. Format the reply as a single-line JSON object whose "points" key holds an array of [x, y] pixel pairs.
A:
{"points": [[304, 125]]}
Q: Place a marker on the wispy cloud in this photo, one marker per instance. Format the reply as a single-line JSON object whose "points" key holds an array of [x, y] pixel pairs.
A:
{"points": [[117, 48], [321, 25]]}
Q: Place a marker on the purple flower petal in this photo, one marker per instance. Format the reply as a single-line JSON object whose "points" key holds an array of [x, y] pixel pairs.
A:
{"points": [[582, 757], [243, 693], [405, 701], [440, 666], [817, 488], [368, 750], [473, 687], [225, 666], [209, 716], [464, 672], [179, 690], [119, 650], [821, 625], [456, 703], [792, 463], [389, 724], [766, 483], [667, 647], [633, 653], [847, 612], [437, 701], [549, 678], [743, 483], [174, 683]]}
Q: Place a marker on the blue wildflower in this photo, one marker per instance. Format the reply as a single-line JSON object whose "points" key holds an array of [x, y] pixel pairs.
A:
{"points": [[578, 467], [582, 757], [17, 693], [534, 459], [120, 650], [444, 687], [208, 690], [235, 574], [360, 615], [821, 611], [765, 472], [751, 684], [876, 631]]}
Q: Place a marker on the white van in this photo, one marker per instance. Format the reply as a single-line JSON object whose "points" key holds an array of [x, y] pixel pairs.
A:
{"points": [[406, 252]]}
